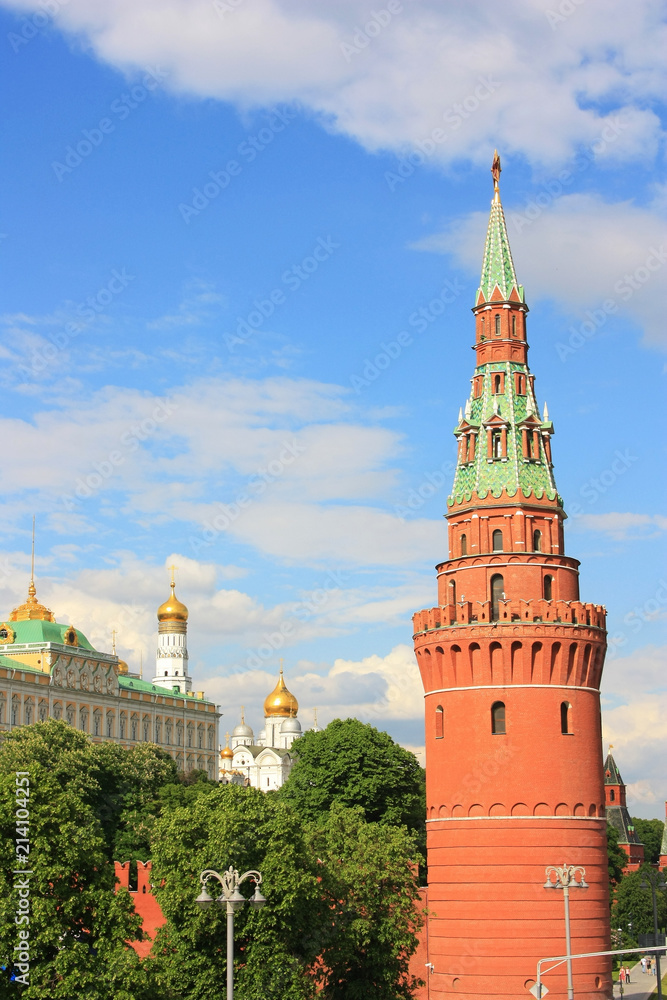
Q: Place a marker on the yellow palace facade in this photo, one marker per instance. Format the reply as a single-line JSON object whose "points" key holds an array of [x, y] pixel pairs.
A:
{"points": [[49, 670]]}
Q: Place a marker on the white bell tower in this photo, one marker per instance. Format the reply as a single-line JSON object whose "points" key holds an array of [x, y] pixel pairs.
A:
{"points": [[171, 664]]}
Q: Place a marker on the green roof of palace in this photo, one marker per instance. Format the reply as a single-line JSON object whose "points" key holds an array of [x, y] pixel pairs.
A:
{"points": [[37, 630], [497, 265], [12, 664], [136, 684]]}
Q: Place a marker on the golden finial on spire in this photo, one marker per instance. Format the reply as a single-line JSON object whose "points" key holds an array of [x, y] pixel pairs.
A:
{"points": [[242, 715], [172, 571], [495, 171], [32, 558], [281, 664], [114, 633], [32, 610]]}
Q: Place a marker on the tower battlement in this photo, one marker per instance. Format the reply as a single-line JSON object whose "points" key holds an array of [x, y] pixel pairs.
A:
{"points": [[480, 612]]}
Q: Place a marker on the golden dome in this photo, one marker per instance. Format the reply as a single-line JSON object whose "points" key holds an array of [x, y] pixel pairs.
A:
{"points": [[281, 702], [172, 609], [32, 610], [122, 667], [227, 753]]}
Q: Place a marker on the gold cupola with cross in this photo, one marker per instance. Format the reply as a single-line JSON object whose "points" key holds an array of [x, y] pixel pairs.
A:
{"points": [[171, 668]]}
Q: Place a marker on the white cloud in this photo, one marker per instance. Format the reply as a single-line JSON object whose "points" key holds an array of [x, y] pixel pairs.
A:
{"points": [[580, 251], [636, 725], [377, 689], [549, 89], [620, 526]]}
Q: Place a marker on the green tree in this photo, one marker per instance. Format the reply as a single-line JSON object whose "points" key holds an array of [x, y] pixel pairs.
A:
{"points": [[78, 924], [617, 859], [371, 923], [635, 905], [353, 763], [274, 946], [339, 916], [650, 833], [130, 782]]}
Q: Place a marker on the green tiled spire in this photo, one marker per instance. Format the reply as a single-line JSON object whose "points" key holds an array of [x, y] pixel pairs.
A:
{"points": [[514, 412], [497, 266]]}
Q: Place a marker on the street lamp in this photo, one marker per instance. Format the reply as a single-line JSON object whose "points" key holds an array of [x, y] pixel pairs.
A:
{"points": [[653, 881], [233, 899], [567, 877]]}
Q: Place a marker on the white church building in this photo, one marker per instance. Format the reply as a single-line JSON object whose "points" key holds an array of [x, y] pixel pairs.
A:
{"points": [[264, 762]]}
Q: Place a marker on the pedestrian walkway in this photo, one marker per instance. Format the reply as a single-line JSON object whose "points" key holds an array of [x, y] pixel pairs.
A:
{"points": [[640, 987]]}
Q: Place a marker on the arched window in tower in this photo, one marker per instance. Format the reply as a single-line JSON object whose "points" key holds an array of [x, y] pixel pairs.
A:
{"points": [[537, 541], [497, 381], [439, 723], [548, 588], [497, 324], [498, 723], [497, 444], [513, 325], [566, 718], [452, 592], [612, 795], [464, 545], [497, 540], [497, 595]]}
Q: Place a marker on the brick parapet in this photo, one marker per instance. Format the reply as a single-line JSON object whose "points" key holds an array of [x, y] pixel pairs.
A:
{"points": [[479, 612]]}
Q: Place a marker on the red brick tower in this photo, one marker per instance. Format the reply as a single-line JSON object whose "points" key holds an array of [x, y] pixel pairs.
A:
{"points": [[511, 663]]}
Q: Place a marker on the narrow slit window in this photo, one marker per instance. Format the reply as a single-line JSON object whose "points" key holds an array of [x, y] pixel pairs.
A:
{"points": [[464, 545], [497, 595], [439, 723], [537, 541], [497, 324], [548, 588], [498, 719], [497, 540], [566, 718]]}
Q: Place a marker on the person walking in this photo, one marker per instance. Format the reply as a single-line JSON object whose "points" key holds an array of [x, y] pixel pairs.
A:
{"points": [[648, 966], [644, 964], [627, 974], [621, 975]]}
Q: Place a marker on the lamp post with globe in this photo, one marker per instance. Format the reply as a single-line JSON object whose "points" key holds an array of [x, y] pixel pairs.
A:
{"points": [[233, 899]]}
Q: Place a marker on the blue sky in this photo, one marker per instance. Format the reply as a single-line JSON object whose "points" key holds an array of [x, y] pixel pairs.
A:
{"points": [[217, 218]]}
